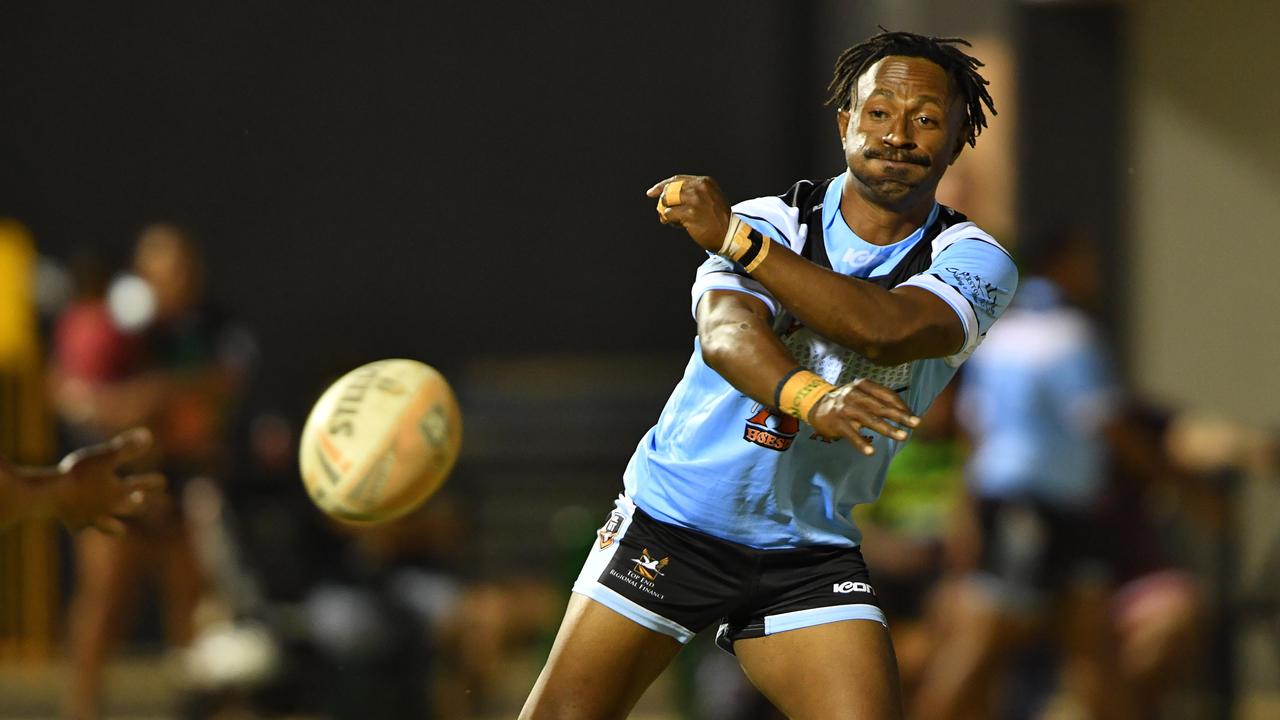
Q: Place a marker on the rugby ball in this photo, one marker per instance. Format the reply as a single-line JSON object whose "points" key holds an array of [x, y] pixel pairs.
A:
{"points": [[380, 441]]}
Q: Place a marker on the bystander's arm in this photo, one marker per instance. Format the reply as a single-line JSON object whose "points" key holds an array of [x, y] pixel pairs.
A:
{"points": [[83, 489]]}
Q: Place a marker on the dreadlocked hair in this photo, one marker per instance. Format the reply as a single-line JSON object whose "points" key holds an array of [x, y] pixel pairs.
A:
{"points": [[945, 52]]}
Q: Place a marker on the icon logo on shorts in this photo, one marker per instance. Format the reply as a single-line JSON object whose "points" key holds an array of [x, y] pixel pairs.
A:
{"points": [[648, 567], [770, 429], [609, 531], [850, 586]]}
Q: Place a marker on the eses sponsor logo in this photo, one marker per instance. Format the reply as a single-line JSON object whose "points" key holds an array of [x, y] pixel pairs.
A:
{"points": [[768, 429]]}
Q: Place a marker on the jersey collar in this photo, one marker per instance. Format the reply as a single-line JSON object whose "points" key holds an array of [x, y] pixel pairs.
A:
{"points": [[833, 223]]}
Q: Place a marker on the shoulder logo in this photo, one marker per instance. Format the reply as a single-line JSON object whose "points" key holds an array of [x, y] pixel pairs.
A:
{"points": [[983, 294]]}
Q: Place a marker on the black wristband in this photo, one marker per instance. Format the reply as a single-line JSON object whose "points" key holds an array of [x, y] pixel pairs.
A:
{"points": [[757, 242], [777, 391]]}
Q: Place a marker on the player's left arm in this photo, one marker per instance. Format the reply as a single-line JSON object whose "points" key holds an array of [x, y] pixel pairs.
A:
{"points": [[886, 326]]}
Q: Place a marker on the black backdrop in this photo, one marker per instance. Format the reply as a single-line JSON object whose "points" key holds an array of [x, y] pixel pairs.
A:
{"points": [[432, 180]]}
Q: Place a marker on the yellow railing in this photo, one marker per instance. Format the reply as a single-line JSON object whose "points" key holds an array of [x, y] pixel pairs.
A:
{"points": [[29, 597]]}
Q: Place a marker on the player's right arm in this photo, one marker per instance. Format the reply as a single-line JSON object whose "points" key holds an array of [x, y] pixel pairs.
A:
{"points": [[737, 339]]}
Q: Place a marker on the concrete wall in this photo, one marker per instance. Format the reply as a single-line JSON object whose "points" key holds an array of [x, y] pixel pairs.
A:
{"points": [[1204, 148]]}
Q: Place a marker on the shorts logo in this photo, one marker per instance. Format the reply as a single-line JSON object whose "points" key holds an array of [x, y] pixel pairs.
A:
{"points": [[647, 567], [850, 586], [770, 429], [643, 574], [609, 531]]}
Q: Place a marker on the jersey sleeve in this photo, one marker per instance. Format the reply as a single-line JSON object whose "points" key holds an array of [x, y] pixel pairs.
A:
{"points": [[977, 279], [768, 215]]}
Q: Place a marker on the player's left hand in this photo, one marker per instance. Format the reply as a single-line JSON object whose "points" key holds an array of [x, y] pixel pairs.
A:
{"points": [[695, 203], [91, 493]]}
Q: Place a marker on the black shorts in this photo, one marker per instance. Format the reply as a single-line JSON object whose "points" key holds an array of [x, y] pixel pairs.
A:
{"points": [[678, 581], [1031, 550]]}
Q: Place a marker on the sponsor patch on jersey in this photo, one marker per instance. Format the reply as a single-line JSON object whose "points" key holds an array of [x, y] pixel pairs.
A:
{"points": [[770, 429]]}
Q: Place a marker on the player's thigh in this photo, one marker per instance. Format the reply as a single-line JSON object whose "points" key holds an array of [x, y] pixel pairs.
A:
{"points": [[842, 670], [600, 665]]}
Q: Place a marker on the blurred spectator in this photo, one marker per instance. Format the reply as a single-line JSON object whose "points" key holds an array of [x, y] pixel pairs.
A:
{"points": [[1061, 529], [190, 366], [1037, 401], [1158, 607], [88, 346]]}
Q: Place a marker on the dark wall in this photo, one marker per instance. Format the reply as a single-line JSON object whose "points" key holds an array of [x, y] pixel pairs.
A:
{"points": [[432, 180], [1072, 150]]}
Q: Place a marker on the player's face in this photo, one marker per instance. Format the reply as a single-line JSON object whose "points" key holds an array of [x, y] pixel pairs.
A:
{"points": [[902, 130]]}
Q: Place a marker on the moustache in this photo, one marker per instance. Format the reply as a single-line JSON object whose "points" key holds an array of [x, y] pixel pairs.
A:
{"points": [[904, 157]]}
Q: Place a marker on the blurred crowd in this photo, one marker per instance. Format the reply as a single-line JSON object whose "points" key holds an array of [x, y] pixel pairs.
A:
{"points": [[1034, 545], [262, 605]]}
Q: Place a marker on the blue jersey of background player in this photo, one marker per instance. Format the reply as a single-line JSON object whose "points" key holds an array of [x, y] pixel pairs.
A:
{"points": [[828, 318], [728, 465]]}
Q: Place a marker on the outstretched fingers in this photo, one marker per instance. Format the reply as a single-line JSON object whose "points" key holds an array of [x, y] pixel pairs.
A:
{"points": [[131, 445], [137, 492], [660, 186], [894, 407]]}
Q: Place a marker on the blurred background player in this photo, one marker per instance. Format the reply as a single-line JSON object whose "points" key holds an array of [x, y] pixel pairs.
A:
{"points": [[1047, 421], [1036, 401], [190, 365]]}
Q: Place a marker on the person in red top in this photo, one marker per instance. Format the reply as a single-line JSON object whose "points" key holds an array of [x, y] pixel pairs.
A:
{"points": [[190, 365]]}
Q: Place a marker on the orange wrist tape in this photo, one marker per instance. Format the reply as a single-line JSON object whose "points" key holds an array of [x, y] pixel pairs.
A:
{"points": [[801, 392]]}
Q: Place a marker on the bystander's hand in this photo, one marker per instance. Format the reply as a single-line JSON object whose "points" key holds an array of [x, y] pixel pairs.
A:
{"points": [[89, 492]]}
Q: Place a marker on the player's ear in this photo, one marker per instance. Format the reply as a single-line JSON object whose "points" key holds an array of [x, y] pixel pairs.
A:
{"points": [[842, 122]]}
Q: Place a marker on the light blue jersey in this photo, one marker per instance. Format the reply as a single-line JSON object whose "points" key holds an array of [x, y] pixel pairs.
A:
{"points": [[719, 462], [1035, 400]]}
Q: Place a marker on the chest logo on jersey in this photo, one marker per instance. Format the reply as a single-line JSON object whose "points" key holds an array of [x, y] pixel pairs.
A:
{"points": [[770, 429], [856, 261]]}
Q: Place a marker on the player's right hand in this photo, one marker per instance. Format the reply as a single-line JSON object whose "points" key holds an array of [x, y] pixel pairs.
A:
{"points": [[862, 405], [91, 493]]}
